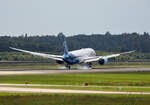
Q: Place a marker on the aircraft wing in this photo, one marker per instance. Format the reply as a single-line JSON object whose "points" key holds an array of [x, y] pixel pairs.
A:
{"points": [[55, 57], [96, 58]]}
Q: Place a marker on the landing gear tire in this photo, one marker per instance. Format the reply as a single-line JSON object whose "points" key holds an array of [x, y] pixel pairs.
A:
{"points": [[89, 65], [68, 67]]}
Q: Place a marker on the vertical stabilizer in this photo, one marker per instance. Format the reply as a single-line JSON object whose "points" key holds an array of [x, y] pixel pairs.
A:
{"points": [[65, 47], [61, 36]]}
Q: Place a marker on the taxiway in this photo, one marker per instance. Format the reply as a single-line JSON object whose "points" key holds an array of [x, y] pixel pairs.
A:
{"points": [[39, 90]]}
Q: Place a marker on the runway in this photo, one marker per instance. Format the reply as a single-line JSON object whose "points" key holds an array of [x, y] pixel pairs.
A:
{"points": [[59, 71], [40, 90]]}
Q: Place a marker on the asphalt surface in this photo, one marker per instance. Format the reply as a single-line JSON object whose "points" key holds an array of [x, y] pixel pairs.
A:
{"points": [[58, 71], [39, 90]]}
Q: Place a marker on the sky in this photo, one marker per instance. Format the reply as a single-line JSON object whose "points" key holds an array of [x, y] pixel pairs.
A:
{"points": [[72, 17]]}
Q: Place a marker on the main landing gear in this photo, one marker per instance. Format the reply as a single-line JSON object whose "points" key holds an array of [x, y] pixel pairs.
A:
{"points": [[68, 67], [89, 65]]}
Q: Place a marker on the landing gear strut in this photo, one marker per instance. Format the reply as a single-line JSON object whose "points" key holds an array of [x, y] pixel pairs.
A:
{"points": [[89, 65], [68, 67]]}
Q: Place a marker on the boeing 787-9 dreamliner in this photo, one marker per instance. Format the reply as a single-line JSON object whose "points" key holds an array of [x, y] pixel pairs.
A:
{"points": [[84, 55]]}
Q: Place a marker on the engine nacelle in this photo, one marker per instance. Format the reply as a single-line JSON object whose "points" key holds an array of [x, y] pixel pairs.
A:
{"points": [[60, 62], [103, 61]]}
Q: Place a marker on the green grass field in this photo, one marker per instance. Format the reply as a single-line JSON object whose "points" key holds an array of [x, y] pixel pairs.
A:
{"points": [[72, 99], [111, 79], [138, 79], [30, 66]]}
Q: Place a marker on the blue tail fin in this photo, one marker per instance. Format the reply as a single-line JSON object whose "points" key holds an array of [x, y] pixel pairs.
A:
{"points": [[65, 47]]}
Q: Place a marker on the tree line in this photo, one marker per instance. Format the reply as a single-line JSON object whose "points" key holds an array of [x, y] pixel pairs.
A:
{"points": [[101, 42]]}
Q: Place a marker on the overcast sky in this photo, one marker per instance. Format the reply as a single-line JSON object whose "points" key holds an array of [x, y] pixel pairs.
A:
{"points": [[73, 16]]}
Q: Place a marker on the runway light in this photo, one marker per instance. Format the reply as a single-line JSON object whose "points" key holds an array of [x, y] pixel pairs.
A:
{"points": [[26, 83], [85, 84], [119, 88]]}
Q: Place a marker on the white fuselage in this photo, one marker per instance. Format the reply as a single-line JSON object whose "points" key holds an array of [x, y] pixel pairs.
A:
{"points": [[85, 52]]}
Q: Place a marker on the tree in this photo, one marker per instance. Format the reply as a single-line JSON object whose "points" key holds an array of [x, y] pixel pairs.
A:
{"points": [[108, 33]]}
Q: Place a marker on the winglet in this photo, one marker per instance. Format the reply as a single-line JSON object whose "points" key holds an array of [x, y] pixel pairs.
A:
{"points": [[128, 52], [16, 49], [12, 48]]}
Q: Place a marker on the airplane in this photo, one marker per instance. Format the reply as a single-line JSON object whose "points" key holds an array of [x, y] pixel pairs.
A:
{"points": [[81, 56]]}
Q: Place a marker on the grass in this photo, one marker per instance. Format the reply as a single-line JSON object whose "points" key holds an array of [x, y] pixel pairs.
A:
{"points": [[94, 79], [32, 66], [115, 79], [119, 66], [72, 99], [98, 79]]}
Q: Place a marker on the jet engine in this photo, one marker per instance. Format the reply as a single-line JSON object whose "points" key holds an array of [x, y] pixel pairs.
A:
{"points": [[103, 61], [59, 62]]}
